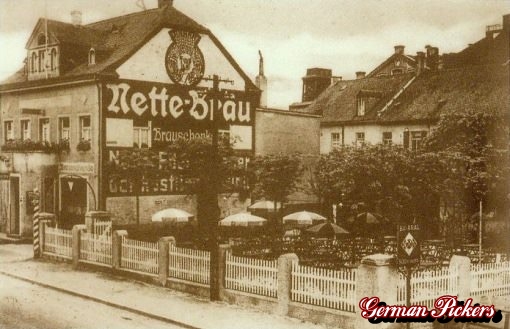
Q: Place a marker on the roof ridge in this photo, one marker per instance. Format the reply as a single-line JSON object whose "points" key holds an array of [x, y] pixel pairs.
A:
{"points": [[106, 20]]}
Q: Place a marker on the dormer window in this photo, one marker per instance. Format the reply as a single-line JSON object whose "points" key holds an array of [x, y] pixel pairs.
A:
{"points": [[92, 56], [397, 71], [361, 106]]}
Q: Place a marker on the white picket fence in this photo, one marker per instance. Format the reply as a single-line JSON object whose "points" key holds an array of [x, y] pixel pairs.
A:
{"points": [[251, 275], [140, 256], [324, 287], [427, 286], [103, 227], [96, 248], [492, 279], [189, 264], [58, 242]]}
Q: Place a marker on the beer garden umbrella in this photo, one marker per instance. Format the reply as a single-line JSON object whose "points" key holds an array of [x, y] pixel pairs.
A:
{"points": [[242, 219], [303, 218], [369, 223], [171, 215], [327, 230], [265, 205]]}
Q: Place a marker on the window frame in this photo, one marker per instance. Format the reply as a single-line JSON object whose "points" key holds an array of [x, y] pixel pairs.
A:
{"points": [[41, 63], [61, 129], [336, 142], [82, 127], [415, 141], [92, 56], [361, 106], [41, 131], [5, 134], [360, 141], [385, 139], [28, 130], [138, 141]]}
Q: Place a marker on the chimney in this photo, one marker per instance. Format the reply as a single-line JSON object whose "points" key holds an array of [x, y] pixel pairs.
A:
{"points": [[399, 50], [420, 65], [335, 79], [360, 74], [261, 82], [432, 57], [76, 17], [506, 22], [165, 3]]}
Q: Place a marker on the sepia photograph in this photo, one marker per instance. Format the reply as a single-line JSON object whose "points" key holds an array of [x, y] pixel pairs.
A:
{"points": [[218, 164]]}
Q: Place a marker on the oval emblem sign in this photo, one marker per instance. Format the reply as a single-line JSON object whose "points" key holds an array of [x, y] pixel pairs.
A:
{"points": [[184, 61]]}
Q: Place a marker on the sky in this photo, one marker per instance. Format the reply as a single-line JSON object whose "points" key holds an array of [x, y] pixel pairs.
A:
{"points": [[293, 35]]}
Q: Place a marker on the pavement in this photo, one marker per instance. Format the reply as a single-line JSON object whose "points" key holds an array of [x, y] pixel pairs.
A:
{"points": [[145, 299]]}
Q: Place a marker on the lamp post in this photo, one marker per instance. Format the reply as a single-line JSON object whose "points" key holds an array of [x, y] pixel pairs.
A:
{"points": [[214, 270]]}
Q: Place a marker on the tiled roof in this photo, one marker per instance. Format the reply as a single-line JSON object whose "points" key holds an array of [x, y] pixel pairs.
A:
{"points": [[488, 50], [477, 77], [338, 102], [115, 40], [433, 93]]}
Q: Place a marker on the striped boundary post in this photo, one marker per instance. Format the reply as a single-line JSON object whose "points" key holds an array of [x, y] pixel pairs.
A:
{"points": [[36, 241]]}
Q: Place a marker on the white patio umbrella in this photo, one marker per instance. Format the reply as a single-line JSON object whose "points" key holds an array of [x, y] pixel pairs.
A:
{"points": [[171, 215], [242, 219], [303, 218], [265, 205]]}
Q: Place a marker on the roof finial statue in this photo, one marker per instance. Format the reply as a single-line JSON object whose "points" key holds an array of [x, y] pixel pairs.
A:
{"points": [[261, 63]]}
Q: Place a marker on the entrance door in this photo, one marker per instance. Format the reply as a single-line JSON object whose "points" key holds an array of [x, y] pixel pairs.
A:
{"points": [[4, 204], [73, 202], [14, 206]]}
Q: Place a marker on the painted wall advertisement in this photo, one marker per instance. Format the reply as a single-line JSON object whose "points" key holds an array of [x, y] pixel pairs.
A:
{"points": [[143, 120]]}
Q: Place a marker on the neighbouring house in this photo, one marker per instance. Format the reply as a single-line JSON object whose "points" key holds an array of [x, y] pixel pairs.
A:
{"points": [[401, 107], [90, 95], [393, 106]]}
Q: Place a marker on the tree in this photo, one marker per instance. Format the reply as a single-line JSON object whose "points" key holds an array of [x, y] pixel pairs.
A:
{"points": [[196, 158], [189, 162], [474, 142], [275, 176], [399, 184]]}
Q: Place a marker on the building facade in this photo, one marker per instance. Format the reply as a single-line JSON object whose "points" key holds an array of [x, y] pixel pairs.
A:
{"points": [[95, 99]]}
